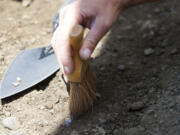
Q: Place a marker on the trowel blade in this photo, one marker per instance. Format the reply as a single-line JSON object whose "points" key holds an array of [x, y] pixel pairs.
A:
{"points": [[27, 69]]}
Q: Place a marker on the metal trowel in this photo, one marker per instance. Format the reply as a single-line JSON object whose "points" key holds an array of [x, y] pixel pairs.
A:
{"points": [[27, 69], [30, 67]]}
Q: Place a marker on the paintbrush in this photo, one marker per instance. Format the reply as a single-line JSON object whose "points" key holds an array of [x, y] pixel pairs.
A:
{"points": [[82, 79]]}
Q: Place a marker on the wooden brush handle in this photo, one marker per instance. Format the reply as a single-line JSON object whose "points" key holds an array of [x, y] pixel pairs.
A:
{"points": [[75, 37]]}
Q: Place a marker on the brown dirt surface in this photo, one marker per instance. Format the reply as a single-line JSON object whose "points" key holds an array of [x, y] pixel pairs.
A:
{"points": [[137, 66]]}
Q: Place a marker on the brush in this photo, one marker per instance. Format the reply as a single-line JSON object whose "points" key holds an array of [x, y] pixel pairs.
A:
{"points": [[82, 79]]}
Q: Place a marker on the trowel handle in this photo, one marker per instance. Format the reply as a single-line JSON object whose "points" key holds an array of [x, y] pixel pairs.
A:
{"points": [[76, 37]]}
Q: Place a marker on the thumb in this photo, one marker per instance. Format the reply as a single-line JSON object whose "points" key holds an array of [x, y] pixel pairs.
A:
{"points": [[97, 31]]}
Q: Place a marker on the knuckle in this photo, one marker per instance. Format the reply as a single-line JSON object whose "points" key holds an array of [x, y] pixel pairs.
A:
{"points": [[91, 43], [107, 23]]}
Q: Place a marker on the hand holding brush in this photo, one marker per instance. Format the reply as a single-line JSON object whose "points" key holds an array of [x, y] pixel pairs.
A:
{"points": [[98, 16]]}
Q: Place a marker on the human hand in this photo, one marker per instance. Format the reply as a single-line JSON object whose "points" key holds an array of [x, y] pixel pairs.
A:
{"points": [[97, 15]]}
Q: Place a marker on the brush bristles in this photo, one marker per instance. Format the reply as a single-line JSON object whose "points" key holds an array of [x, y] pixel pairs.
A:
{"points": [[83, 94]]}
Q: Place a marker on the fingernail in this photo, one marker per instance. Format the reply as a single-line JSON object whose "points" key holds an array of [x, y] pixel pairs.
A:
{"points": [[67, 70], [85, 53]]}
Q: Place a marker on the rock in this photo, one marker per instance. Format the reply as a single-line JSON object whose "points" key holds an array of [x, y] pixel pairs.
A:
{"points": [[74, 132], [51, 111], [147, 25], [121, 67], [98, 95], [41, 107], [11, 123], [148, 51], [157, 10], [26, 3], [49, 106], [136, 106], [174, 51]]}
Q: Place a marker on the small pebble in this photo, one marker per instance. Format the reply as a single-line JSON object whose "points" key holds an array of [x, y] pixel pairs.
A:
{"points": [[121, 67], [42, 107], [51, 111], [98, 95], [157, 10], [147, 25], [11, 123], [148, 51], [174, 51], [49, 106], [136, 106], [16, 84]]}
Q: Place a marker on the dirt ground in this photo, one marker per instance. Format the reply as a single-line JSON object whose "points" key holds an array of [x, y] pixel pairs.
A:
{"points": [[137, 70]]}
